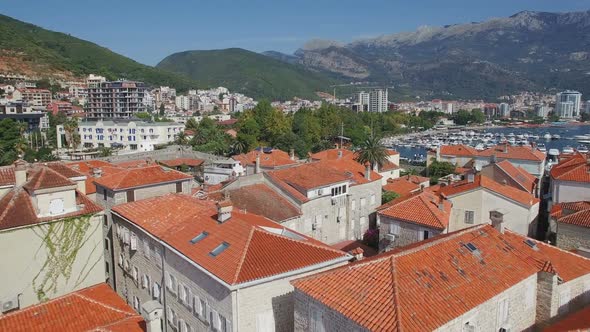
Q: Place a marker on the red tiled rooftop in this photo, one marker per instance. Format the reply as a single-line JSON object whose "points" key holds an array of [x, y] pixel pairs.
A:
{"points": [[191, 162], [525, 179], [276, 158], [97, 308], [134, 163], [262, 200], [506, 151], [401, 186], [415, 288], [7, 176], [256, 247], [482, 181], [333, 154], [578, 321], [137, 177], [45, 178], [576, 169], [420, 208], [573, 213], [458, 150], [557, 209], [352, 245]]}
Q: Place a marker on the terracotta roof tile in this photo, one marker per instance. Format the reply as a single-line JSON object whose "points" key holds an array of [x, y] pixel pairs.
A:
{"points": [[576, 169], [401, 186], [388, 166], [182, 161], [483, 182], [63, 169], [45, 178], [526, 180], [86, 167], [275, 159], [137, 177], [7, 176], [573, 213], [557, 209], [258, 247], [260, 199], [458, 150], [420, 208], [415, 288], [500, 151], [94, 308], [332, 154], [578, 321]]}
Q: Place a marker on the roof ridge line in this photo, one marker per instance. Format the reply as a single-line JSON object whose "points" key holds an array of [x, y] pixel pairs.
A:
{"points": [[243, 258], [550, 246], [102, 304], [396, 293], [431, 212], [326, 247]]}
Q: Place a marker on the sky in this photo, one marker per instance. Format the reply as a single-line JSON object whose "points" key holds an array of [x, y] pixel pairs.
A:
{"points": [[149, 30]]}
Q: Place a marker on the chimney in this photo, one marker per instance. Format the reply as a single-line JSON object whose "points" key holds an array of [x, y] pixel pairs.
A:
{"points": [[292, 154], [506, 147], [470, 177], [20, 172], [357, 253], [497, 219], [152, 312], [339, 154], [257, 164], [96, 172], [368, 170], [224, 209], [493, 159]]}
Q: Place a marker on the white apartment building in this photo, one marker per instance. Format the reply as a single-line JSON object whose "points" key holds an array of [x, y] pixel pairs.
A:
{"points": [[568, 104], [504, 110], [123, 134], [363, 101], [378, 101], [182, 102]]}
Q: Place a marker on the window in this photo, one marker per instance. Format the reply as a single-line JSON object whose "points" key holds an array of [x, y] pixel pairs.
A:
{"points": [[135, 273], [146, 248], [105, 220], [219, 249], [215, 320], [353, 204], [130, 195], [107, 268], [156, 291], [394, 228], [136, 304], [178, 187], [503, 312], [199, 237], [203, 312], [363, 202], [372, 199], [317, 320], [133, 242], [145, 281], [121, 260], [424, 235], [469, 215], [337, 191], [107, 245]]}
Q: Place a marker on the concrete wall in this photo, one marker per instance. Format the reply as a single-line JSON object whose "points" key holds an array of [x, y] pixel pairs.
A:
{"points": [[521, 312], [271, 299], [333, 320], [42, 201], [572, 237], [408, 233], [29, 270], [518, 218], [386, 175], [556, 299], [566, 191]]}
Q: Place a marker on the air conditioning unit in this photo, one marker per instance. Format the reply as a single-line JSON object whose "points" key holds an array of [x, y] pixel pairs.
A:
{"points": [[10, 304], [390, 237]]}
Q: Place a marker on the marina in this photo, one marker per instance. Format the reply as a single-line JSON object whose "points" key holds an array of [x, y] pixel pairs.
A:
{"points": [[560, 139]]}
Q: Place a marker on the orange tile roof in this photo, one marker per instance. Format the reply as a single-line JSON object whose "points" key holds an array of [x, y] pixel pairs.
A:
{"points": [[388, 166], [63, 169], [256, 247], [45, 178], [458, 150], [420, 208], [425, 285], [181, 161], [352, 245], [506, 151], [401, 186], [578, 321], [86, 167], [137, 177], [332, 154], [576, 169], [557, 209], [573, 213], [260, 199], [133, 163], [7, 176], [390, 152], [276, 158], [482, 181], [94, 308], [351, 166], [525, 179]]}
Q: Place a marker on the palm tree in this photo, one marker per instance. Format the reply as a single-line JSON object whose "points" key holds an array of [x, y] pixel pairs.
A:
{"points": [[192, 124], [70, 127], [372, 151], [181, 139], [239, 147]]}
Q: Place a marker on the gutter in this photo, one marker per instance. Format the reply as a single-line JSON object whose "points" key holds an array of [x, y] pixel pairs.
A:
{"points": [[251, 283]]}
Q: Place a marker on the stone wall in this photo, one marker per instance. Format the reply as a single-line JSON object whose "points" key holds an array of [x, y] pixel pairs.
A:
{"points": [[333, 320], [572, 236], [408, 233]]}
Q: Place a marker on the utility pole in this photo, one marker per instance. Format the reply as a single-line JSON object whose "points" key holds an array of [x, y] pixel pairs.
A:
{"points": [[341, 134]]}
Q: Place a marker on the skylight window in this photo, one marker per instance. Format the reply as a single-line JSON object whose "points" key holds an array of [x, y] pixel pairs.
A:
{"points": [[219, 249], [531, 244], [471, 247], [199, 237]]}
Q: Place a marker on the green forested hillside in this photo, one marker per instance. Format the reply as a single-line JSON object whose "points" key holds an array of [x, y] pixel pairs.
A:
{"points": [[31, 50], [253, 74]]}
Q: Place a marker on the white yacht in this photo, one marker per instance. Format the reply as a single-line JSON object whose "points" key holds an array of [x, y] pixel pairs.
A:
{"points": [[541, 147], [568, 149], [582, 149], [547, 136]]}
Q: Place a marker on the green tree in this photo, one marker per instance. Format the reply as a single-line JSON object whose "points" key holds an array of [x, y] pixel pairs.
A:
{"points": [[372, 151], [143, 115], [477, 116], [70, 127], [553, 116], [388, 196], [439, 169], [105, 152], [162, 109], [462, 117], [191, 124]]}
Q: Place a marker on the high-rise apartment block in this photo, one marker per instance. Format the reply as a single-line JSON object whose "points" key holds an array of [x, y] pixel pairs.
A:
{"points": [[119, 99], [568, 103], [378, 101]]}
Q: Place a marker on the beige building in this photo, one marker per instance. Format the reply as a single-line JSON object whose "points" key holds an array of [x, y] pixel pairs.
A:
{"points": [[50, 234], [477, 279], [570, 179], [212, 267], [129, 185]]}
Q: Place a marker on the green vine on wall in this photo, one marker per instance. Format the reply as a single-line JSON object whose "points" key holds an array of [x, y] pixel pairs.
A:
{"points": [[62, 241]]}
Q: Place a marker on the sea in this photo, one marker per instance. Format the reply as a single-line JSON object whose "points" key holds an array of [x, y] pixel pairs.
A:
{"points": [[567, 134]]}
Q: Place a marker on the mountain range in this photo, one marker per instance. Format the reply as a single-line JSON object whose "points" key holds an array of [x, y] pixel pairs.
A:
{"points": [[535, 51]]}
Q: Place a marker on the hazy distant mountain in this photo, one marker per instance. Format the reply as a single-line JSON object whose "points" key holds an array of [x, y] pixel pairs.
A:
{"points": [[251, 73], [529, 50]]}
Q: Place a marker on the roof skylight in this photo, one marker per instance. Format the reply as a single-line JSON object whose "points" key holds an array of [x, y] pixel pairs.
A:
{"points": [[219, 249], [199, 237]]}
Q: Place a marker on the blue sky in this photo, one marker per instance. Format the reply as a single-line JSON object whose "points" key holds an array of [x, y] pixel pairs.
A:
{"points": [[149, 30]]}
